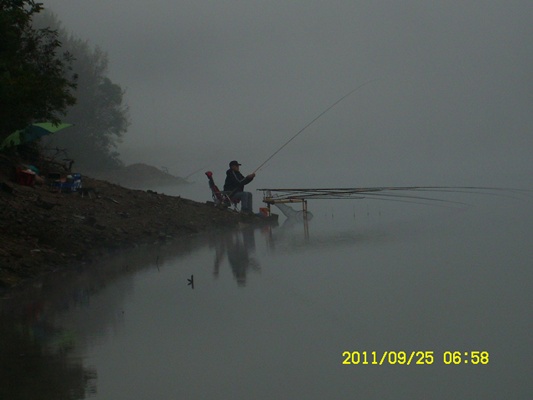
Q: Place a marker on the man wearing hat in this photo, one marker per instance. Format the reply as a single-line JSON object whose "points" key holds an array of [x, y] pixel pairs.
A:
{"points": [[234, 184]]}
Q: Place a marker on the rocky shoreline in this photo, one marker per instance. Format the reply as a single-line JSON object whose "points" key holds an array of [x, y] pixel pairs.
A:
{"points": [[43, 230]]}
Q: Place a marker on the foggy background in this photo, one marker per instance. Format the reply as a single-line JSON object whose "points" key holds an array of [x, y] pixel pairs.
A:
{"points": [[211, 81]]}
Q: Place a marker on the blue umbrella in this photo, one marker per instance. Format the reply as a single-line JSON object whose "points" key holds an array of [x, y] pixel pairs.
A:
{"points": [[31, 133]]}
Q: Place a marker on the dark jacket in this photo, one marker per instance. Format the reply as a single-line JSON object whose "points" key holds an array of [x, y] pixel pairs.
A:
{"points": [[235, 181]]}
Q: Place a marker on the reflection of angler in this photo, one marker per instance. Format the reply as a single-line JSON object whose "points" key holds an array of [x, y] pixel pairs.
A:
{"points": [[239, 259], [237, 246], [248, 238]]}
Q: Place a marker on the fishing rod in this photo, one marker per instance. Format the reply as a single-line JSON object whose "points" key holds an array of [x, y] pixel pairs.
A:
{"points": [[274, 196], [313, 121]]}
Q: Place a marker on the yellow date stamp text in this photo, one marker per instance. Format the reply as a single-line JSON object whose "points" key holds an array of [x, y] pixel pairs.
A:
{"points": [[415, 357]]}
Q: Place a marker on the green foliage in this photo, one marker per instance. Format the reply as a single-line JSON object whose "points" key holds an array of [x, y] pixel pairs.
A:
{"points": [[34, 79], [99, 116]]}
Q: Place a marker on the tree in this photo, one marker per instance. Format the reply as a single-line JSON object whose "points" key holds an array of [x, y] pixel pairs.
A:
{"points": [[36, 82], [99, 116]]}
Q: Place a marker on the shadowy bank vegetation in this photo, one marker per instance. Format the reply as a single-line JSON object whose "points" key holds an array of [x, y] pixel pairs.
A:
{"points": [[99, 116], [37, 81], [48, 74]]}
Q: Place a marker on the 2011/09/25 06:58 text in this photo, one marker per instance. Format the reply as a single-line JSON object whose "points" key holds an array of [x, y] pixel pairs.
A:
{"points": [[414, 357]]}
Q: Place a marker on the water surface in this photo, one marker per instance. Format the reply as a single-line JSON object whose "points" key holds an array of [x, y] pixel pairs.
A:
{"points": [[273, 310]]}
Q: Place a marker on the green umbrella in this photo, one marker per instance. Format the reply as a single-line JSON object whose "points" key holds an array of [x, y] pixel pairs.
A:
{"points": [[31, 133]]}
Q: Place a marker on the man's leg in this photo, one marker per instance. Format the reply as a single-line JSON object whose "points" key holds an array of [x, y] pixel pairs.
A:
{"points": [[246, 200]]}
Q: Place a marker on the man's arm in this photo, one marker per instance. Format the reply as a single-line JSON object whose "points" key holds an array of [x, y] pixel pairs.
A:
{"points": [[248, 179], [242, 180]]}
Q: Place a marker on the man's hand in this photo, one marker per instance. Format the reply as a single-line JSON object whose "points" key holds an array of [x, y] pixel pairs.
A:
{"points": [[251, 176]]}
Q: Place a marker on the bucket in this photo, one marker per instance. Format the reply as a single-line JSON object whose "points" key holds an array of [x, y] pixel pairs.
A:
{"points": [[25, 177], [264, 211]]}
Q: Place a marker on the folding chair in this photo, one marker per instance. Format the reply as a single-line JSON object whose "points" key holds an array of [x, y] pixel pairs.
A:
{"points": [[221, 198]]}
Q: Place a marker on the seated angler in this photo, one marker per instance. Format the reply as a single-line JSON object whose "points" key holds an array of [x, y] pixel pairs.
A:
{"points": [[234, 185]]}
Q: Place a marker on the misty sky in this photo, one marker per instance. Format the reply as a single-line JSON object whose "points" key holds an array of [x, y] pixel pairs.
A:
{"points": [[211, 81]]}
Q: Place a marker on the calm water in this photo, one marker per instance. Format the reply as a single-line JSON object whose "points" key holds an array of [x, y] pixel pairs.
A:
{"points": [[273, 310]]}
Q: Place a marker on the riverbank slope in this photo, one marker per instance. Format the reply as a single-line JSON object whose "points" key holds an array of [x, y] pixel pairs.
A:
{"points": [[43, 230]]}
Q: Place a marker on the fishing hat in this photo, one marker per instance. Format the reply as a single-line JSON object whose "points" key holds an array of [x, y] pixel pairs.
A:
{"points": [[232, 163]]}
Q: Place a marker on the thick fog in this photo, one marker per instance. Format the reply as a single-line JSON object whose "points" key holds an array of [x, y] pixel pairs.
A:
{"points": [[450, 99]]}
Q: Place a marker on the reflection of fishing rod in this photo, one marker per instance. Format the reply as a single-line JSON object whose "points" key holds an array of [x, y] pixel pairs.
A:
{"points": [[310, 123]]}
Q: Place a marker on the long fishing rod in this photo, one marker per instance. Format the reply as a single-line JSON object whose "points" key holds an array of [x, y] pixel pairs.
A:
{"points": [[311, 123]]}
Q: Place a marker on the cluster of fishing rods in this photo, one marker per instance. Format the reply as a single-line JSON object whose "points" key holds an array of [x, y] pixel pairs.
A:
{"points": [[382, 193]]}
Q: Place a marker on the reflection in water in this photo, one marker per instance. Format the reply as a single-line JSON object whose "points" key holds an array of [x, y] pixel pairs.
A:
{"points": [[131, 328], [301, 217], [293, 220], [237, 246], [299, 233], [36, 359], [38, 356], [46, 327]]}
